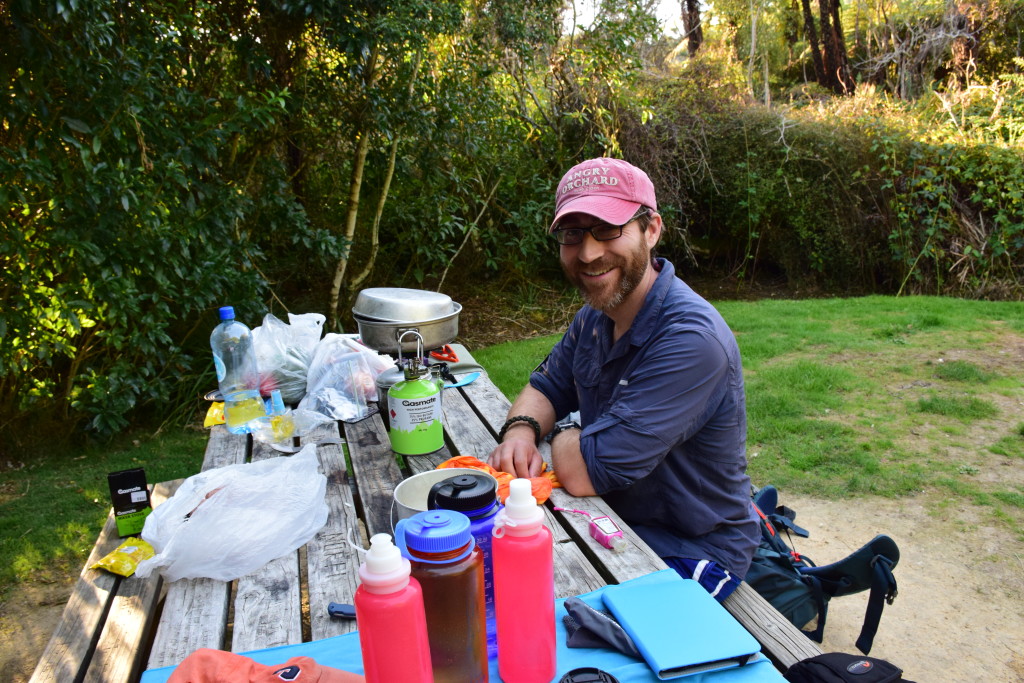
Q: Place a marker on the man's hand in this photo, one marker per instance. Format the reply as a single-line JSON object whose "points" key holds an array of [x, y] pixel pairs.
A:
{"points": [[518, 454]]}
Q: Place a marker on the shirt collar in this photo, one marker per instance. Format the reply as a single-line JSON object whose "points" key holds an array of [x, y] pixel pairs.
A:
{"points": [[646, 319]]}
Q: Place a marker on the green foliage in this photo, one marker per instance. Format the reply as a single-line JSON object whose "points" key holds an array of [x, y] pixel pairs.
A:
{"points": [[129, 214], [158, 162]]}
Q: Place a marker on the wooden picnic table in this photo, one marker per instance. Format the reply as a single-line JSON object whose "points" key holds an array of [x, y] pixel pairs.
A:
{"points": [[114, 628]]}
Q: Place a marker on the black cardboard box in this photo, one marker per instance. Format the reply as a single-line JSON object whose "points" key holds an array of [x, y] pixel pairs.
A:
{"points": [[130, 497]]}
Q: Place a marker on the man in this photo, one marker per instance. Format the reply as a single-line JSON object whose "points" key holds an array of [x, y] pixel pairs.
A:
{"points": [[655, 374]]}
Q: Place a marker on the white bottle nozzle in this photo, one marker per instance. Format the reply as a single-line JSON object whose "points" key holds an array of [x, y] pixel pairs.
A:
{"points": [[383, 557], [521, 510], [384, 570]]}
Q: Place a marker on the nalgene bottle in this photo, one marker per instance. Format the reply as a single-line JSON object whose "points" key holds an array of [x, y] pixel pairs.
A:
{"points": [[235, 361], [476, 496], [391, 618], [449, 567], [524, 589]]}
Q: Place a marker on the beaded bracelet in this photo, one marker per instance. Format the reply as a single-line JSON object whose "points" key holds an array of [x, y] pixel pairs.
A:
{"points": [[521, 418]]}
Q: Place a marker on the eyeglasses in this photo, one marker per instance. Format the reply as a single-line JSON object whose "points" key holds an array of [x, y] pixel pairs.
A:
{"points": [[602, 232]]}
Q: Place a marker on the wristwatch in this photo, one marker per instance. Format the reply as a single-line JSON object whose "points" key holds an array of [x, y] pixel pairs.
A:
{"points": [[561, 427]]}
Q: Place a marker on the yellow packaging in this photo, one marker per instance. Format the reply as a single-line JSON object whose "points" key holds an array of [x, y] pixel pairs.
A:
{"points": [[215, 415], [126, 557]]}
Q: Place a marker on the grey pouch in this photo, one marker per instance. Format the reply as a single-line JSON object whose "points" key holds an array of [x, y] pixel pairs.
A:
{"points": [[588, 627]]}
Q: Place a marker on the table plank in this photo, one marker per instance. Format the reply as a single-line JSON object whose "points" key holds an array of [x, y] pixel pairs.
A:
{"points": [[268, 601], [638, 559], [782, 642], [130, 620], [462, 426], [332, 564], [492, 405], [83, 614], [376, 471], [195, 611]]}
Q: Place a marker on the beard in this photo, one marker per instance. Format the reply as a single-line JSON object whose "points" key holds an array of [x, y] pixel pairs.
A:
{"points": [[606, 297]]}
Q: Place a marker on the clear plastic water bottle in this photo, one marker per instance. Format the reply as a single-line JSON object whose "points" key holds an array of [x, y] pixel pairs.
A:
{"points": [[392, 622], [476, 496], [237, 376], [524, 589]]}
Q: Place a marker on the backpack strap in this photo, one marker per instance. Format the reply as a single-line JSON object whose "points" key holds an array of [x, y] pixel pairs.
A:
{"points": [[883, 587], [819, 597], [781, 520]]}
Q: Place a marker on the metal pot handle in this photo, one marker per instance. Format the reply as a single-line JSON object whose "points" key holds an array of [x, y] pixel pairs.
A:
{"points": [[419, 344]]}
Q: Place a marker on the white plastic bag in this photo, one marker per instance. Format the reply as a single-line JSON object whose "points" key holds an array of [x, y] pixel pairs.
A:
{"points": [[284, 351], [227, 522], [342, 378]]}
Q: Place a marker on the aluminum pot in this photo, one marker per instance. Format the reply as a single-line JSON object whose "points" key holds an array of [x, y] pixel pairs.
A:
{"points": [[383, 336], [397, 304]]}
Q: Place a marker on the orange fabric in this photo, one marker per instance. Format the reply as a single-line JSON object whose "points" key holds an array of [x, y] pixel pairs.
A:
{"points": [[541, 485], [215, 666]]}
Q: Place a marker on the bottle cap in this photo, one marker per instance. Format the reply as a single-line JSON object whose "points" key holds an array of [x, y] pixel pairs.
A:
{"points": [[521, 513], [277, 405], [384, 566], [437, 531], [466, 493], [227, 312], [588, 675]]}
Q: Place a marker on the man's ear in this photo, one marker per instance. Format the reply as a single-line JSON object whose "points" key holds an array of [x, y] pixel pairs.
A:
{"points": [[653, 232]]}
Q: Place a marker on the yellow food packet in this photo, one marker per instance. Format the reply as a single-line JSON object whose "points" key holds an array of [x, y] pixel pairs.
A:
{"points": [[126, 557], [215, 415]]}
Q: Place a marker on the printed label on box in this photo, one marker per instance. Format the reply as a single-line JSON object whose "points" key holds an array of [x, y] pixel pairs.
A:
{"points": [[129, 495]]}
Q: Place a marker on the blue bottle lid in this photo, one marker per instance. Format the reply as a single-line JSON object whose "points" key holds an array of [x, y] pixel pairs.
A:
{"points": [[276, 402], [437, 531], [227, 312]]}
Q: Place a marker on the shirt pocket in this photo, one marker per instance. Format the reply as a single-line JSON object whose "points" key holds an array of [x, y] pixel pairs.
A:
{"points": [[587, 374]]}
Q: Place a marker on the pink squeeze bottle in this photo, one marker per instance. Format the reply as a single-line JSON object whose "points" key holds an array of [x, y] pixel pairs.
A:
{"points": [[390, 616], [524, 589]]}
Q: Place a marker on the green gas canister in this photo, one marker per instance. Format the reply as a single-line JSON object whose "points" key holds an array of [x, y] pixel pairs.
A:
{"points": [[414, 410]]}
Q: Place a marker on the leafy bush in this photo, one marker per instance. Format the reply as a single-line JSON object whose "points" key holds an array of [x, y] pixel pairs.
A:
{"points": [[136, 205]]}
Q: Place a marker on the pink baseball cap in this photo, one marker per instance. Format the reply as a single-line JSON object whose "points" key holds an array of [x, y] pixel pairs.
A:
{"points": [[610, 189]]}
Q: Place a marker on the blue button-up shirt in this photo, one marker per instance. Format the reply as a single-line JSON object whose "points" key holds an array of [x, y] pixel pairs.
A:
{"points": [[665, 427]]}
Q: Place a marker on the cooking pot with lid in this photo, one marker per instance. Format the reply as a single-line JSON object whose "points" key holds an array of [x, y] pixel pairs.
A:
{"points": [[384, 314]]}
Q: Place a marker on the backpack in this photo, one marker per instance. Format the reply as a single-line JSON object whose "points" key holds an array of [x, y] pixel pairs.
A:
{"points": [[801, 590], [838, 667]]}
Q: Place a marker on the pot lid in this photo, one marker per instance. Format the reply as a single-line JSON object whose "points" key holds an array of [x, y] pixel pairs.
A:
{"points": [[402, 305]]}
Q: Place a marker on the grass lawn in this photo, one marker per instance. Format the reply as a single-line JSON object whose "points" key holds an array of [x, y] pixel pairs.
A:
{"points": [[875, 395]]}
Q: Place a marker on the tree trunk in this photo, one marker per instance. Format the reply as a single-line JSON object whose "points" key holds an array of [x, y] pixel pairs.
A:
{"points": [[389, 174], [835, 64], [351, 216], [843, 72], [362, 147], [692, 27], [812, 42]]}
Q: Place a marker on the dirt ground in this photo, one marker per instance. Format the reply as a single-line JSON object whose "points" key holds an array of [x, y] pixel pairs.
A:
{"points": [[959, 615]]}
